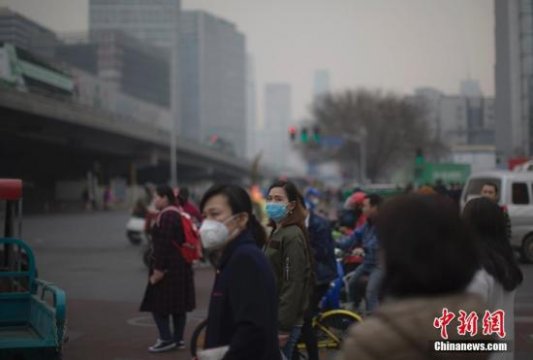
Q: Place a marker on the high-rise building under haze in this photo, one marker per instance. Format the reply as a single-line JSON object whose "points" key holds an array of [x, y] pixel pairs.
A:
{"points": [[514, 78], [457, 119], [252, 125], [277, 120], [321, 82], [213, 82], [121, 61], [470, 88], [26, 34], [153, 21]]}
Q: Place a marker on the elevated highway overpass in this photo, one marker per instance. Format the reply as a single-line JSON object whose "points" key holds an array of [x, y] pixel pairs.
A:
{"points": [[46, 139]]}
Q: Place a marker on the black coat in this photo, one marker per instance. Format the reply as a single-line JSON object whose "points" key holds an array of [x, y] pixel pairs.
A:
{"points": [[175, 292], [243, 307], [323, 246]]}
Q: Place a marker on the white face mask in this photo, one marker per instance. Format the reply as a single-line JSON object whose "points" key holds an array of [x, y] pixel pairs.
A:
{"points": [[214, 234]]}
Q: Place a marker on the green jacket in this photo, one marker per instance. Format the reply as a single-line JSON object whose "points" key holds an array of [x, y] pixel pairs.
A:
{"points": [[286, 250]]}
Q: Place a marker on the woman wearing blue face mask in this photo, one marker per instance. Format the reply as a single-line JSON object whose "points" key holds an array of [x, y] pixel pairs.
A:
{"points": [[289, 255], [243, 307]]}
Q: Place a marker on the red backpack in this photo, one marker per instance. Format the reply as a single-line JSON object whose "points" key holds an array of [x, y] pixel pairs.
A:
{"points": [[191, 249]]}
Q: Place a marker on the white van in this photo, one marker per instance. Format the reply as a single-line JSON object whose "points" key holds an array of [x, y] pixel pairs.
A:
{"points": [[515, 192]]}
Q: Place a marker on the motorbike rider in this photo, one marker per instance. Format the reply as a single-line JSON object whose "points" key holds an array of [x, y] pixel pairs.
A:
{"points": [[365, 242]]}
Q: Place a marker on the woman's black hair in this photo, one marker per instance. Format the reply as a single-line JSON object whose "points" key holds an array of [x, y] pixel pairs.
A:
{"points": [[293, 194], [486, 221], [183, 196], [239, 202], [427, 248], [374, 200], [297, 217], [166, 191]]}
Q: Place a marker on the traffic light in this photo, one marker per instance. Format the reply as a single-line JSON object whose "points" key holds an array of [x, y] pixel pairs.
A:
{"points": [[316, 134], [213, 139], [292, 133], [304, 136]]}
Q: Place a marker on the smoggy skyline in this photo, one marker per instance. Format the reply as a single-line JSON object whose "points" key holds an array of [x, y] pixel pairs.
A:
{"points": [[380, 44]]}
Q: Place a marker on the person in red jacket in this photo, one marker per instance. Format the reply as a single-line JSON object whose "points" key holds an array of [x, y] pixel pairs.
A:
{"points": [[188, 206], [169, 293]]}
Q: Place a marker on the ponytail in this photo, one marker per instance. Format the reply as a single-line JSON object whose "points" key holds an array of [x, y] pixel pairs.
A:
{"points": [[258, 231]]}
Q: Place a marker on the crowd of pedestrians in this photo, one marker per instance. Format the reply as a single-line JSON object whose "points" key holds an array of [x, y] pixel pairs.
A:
{"points": [[421, 261]]}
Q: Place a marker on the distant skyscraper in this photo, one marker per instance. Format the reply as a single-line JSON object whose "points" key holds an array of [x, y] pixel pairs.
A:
{"points": [[278, 117], [122, 61], [470, 88], [458, 120], [252, 128], [321, 83], [514, 77], [26, 34], [154, 21], [213, 58]]}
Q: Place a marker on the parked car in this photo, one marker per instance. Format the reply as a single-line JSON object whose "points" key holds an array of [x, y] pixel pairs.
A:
{"points": [[515, 194], [135, 230]]}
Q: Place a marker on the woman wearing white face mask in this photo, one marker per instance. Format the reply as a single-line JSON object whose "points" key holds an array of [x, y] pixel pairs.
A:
{"points": [[243, 306], [289, 255]]}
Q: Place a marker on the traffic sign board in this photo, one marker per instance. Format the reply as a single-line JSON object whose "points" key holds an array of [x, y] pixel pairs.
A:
{"points": [[332, 141]]}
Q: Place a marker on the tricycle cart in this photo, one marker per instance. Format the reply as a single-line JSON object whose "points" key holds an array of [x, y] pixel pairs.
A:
{"points": [[32, 311]]}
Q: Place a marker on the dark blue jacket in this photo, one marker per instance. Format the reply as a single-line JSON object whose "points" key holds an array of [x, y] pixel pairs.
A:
{"points": [[364, 236], [243, 309], [323, 247]]}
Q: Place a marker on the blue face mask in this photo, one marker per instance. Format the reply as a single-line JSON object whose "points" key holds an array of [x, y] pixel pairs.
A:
{"points": [[276, 211]]}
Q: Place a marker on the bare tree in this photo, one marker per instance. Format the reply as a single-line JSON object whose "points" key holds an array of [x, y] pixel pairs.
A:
{"points": [[395, 127]]}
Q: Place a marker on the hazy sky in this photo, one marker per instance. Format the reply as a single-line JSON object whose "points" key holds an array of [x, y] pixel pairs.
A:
{"points": [[387, 44]]}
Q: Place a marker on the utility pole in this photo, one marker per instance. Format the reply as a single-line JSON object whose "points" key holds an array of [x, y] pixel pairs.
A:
{"points": [[174, 102]]}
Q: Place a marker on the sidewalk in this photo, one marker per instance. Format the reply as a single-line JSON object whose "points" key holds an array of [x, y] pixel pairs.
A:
{"points": [[108, 330]]}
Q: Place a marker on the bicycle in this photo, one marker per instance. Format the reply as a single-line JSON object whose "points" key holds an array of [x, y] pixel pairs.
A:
{"points": [[333, 321], [198, 337], [330, 324]]}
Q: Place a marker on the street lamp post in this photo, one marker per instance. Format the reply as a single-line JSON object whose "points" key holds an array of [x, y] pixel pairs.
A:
{"points": [[173, 155], [174, 105]]}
